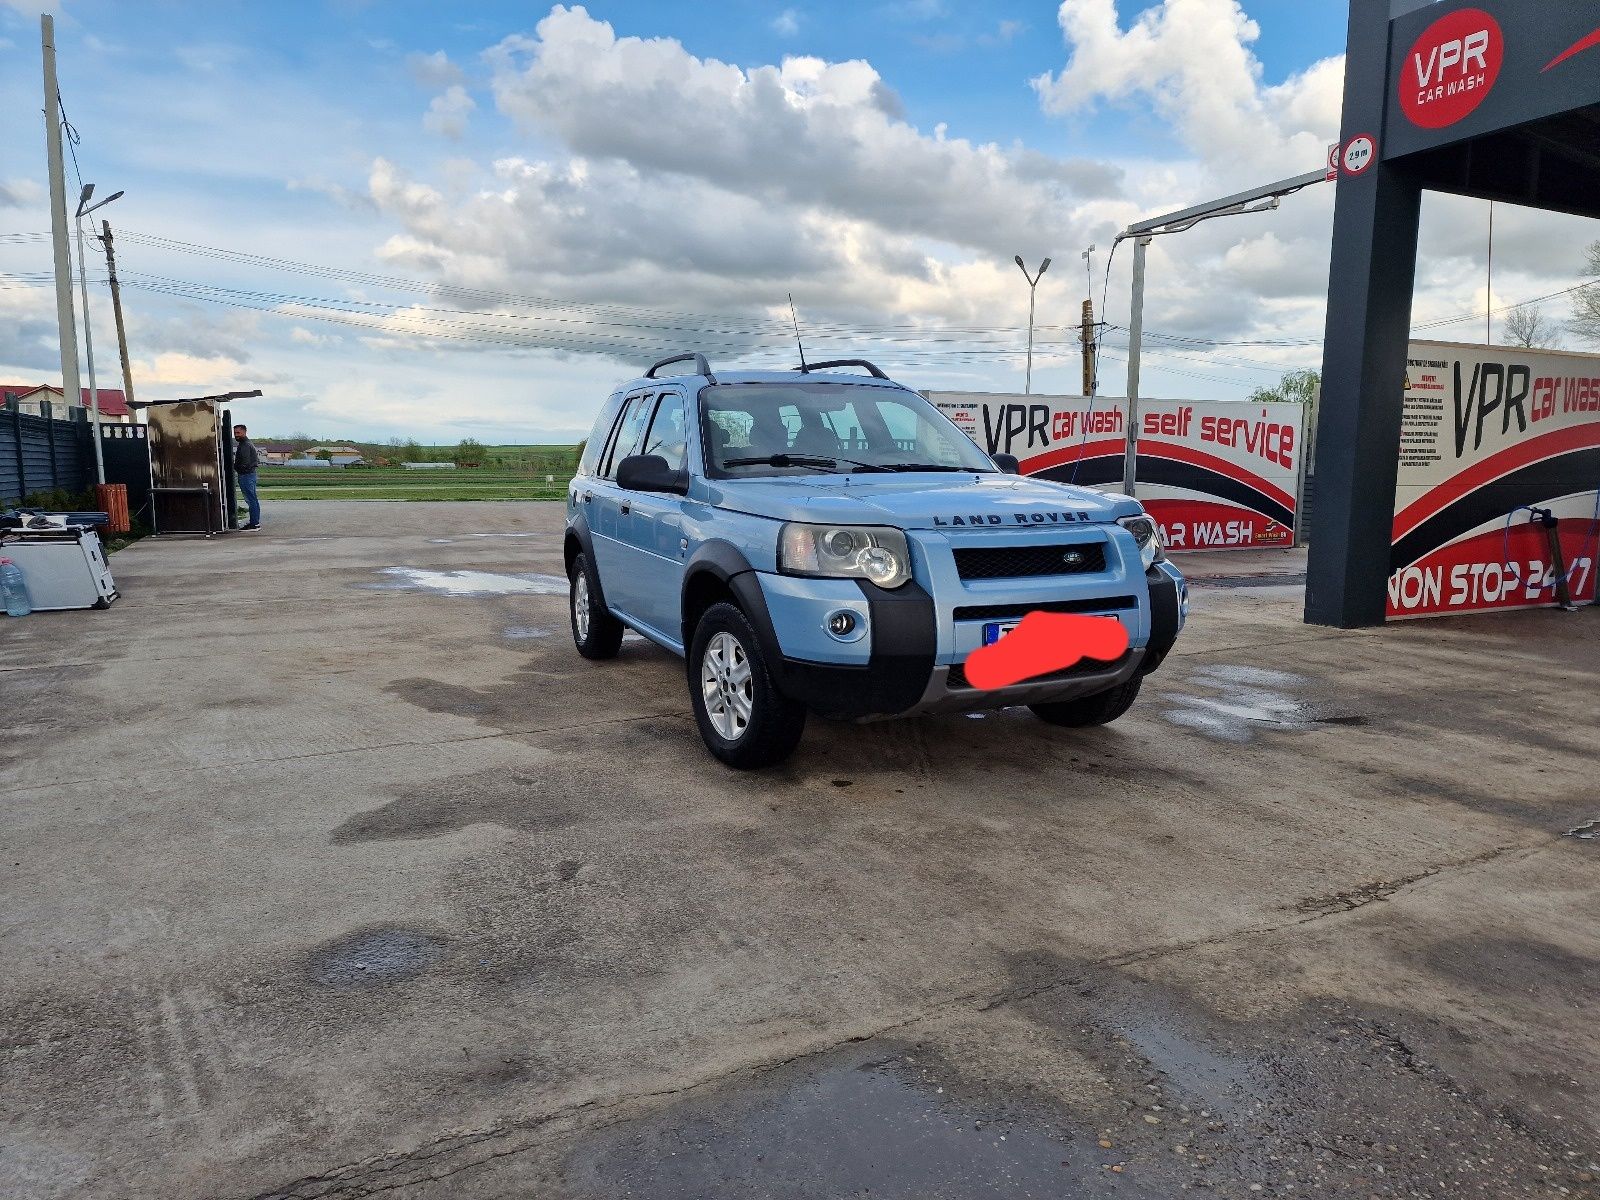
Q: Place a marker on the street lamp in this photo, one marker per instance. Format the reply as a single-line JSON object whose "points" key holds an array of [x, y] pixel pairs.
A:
{"points": [[1033, 285], [1262, 199], [84, 209]]}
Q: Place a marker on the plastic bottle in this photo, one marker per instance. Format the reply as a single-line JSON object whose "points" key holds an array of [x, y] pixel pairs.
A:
{"points": [[15, 589]]}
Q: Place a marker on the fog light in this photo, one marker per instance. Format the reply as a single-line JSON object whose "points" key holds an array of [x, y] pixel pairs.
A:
{"points": [[842, 624]]}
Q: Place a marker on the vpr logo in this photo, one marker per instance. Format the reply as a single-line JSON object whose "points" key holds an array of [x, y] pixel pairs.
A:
{"points": [[1451, 68]]}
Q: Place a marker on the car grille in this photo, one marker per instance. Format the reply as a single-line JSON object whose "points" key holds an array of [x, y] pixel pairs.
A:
{"points": [[1020, 562], [957, 679], [999, 612]]}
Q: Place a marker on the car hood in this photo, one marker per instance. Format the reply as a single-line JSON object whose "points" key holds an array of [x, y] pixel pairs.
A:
{"points": [[921, 501]]}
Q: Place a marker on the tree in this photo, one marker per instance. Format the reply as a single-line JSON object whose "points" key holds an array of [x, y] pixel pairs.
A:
{"points": [[1296, 387], [1586, 300], [469, 453], [1527, 326]]}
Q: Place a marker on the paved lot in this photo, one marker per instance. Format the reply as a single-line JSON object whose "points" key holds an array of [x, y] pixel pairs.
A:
{"points": [[325, 875]]}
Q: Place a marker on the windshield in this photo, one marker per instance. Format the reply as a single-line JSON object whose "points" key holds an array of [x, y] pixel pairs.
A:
{"points": [[809, 428]]}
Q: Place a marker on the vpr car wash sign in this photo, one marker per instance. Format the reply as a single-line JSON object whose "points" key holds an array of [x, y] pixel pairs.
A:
{"points": [[1451, 68], [1488, 433], [1215, 475], [1468, 69]]}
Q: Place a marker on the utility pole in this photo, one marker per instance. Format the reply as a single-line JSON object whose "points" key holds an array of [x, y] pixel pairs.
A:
{"points": [[66, 327], [1088, 325], [116, 308], [1033, 287], [1088, 347]]}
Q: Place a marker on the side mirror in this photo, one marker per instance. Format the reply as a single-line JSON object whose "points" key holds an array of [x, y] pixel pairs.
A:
{"points": [[1007, 463], [650, 473]]}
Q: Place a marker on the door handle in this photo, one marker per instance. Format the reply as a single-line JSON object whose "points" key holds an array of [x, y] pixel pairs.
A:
{"points": [[626, 508], [587, 497]]}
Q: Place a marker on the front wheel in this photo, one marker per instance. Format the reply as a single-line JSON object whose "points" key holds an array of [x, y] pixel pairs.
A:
{"points": [[744, 719], [1099, 709]]}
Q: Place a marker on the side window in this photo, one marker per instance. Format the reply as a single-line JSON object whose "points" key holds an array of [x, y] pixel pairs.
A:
{"points": [[594, 449], [666, 436], [629, 431]]}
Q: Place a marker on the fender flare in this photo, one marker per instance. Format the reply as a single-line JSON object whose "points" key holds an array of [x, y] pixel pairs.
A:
{"points": [[727, 563], [578, 532]]}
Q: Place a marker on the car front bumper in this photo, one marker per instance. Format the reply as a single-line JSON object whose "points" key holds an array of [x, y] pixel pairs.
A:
{"points": [[904, 674]]}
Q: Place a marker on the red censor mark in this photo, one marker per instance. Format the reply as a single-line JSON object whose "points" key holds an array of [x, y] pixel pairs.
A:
{"points": [[1042, 643]]}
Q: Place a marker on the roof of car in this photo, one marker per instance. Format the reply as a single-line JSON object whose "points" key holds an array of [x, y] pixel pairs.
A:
{"points": [[738, 376]]}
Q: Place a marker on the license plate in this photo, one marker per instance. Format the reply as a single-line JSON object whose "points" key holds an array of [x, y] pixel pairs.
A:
{"points": [[995, 630]]}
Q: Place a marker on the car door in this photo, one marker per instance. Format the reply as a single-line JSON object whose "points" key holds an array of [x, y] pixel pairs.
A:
{"points": [[612, 557], [652, 526]]}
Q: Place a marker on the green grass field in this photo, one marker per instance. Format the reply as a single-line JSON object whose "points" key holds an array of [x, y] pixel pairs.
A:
{"points": [[464, 483]]}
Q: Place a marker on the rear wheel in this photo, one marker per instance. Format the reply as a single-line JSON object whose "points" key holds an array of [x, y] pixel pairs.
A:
{"points": [[743, 718], [1099, 709], [595, 632]]}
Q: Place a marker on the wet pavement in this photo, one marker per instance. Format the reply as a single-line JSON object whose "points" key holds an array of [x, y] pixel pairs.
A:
{"points": [[333, 871]]}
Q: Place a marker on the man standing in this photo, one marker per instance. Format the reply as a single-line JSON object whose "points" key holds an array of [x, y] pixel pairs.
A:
{"points": [[245, 463]]}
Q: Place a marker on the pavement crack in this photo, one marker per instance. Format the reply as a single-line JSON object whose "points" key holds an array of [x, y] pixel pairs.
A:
{"points": [[408, 1168]]}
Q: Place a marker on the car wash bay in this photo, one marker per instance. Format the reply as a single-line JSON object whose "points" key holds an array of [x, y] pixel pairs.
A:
{"points": [[331, 868]]}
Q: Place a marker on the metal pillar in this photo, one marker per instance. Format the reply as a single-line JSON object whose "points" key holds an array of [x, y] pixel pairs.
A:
{"points": [[1130, 453], [1373, 271]]}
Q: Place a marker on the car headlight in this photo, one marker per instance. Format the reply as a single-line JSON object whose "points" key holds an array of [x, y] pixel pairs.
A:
{"points": [[1148, 535], [871, 552]]}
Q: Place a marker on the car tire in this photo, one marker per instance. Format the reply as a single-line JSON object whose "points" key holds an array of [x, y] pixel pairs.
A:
{"points": [[744, 719], [595, 632], [1099, 709]]}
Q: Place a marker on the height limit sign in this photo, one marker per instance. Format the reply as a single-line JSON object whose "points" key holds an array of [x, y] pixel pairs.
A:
{"points": [[1358, 153]]}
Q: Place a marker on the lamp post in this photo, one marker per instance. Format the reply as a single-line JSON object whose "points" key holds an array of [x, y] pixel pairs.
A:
{"points": [[1033, 286], [1262, 199], [84, 209]]}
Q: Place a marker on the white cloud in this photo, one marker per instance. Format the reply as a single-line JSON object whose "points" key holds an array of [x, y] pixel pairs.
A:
{"points": [[1191, 61], [19, 193], [187, 370], [786, 23], [337, 192], [434, 71], [447, 114]]}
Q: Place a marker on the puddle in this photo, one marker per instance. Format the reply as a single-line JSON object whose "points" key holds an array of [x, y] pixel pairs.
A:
{"points": [[372, 958], [519, 633], [469, 583], [1245, 700], [1223, 1083], [878, 1129], [470, 537]]}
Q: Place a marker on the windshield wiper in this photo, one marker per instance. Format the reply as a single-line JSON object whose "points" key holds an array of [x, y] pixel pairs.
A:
{"points": [[820, 461]]}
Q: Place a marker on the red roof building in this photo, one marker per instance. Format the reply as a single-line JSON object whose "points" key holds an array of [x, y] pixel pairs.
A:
{"points": [[113, 404]]}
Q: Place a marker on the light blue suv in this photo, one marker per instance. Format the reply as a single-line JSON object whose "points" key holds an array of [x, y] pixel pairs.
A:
{"points": [[829, 542]]}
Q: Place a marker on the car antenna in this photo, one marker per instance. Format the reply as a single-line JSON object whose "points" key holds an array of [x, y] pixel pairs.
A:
{"points": [[797, 340]]}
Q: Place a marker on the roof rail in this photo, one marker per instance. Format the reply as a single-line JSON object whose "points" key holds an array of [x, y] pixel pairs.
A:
{"points": [[701, 366], [843, 362]]}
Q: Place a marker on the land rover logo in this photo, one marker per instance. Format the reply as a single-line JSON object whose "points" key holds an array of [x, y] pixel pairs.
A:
{"points": [[1073, 558]]}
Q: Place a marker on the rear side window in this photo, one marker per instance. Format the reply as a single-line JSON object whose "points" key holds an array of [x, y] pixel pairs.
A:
{"points": [[629, 431], [667, 437], [595, 447]]}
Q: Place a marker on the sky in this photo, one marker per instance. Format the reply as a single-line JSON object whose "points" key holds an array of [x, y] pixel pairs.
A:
{"points": [[438, 221]]}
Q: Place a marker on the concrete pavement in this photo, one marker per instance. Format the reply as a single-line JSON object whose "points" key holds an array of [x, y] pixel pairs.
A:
{"points": [[331, 869]]}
